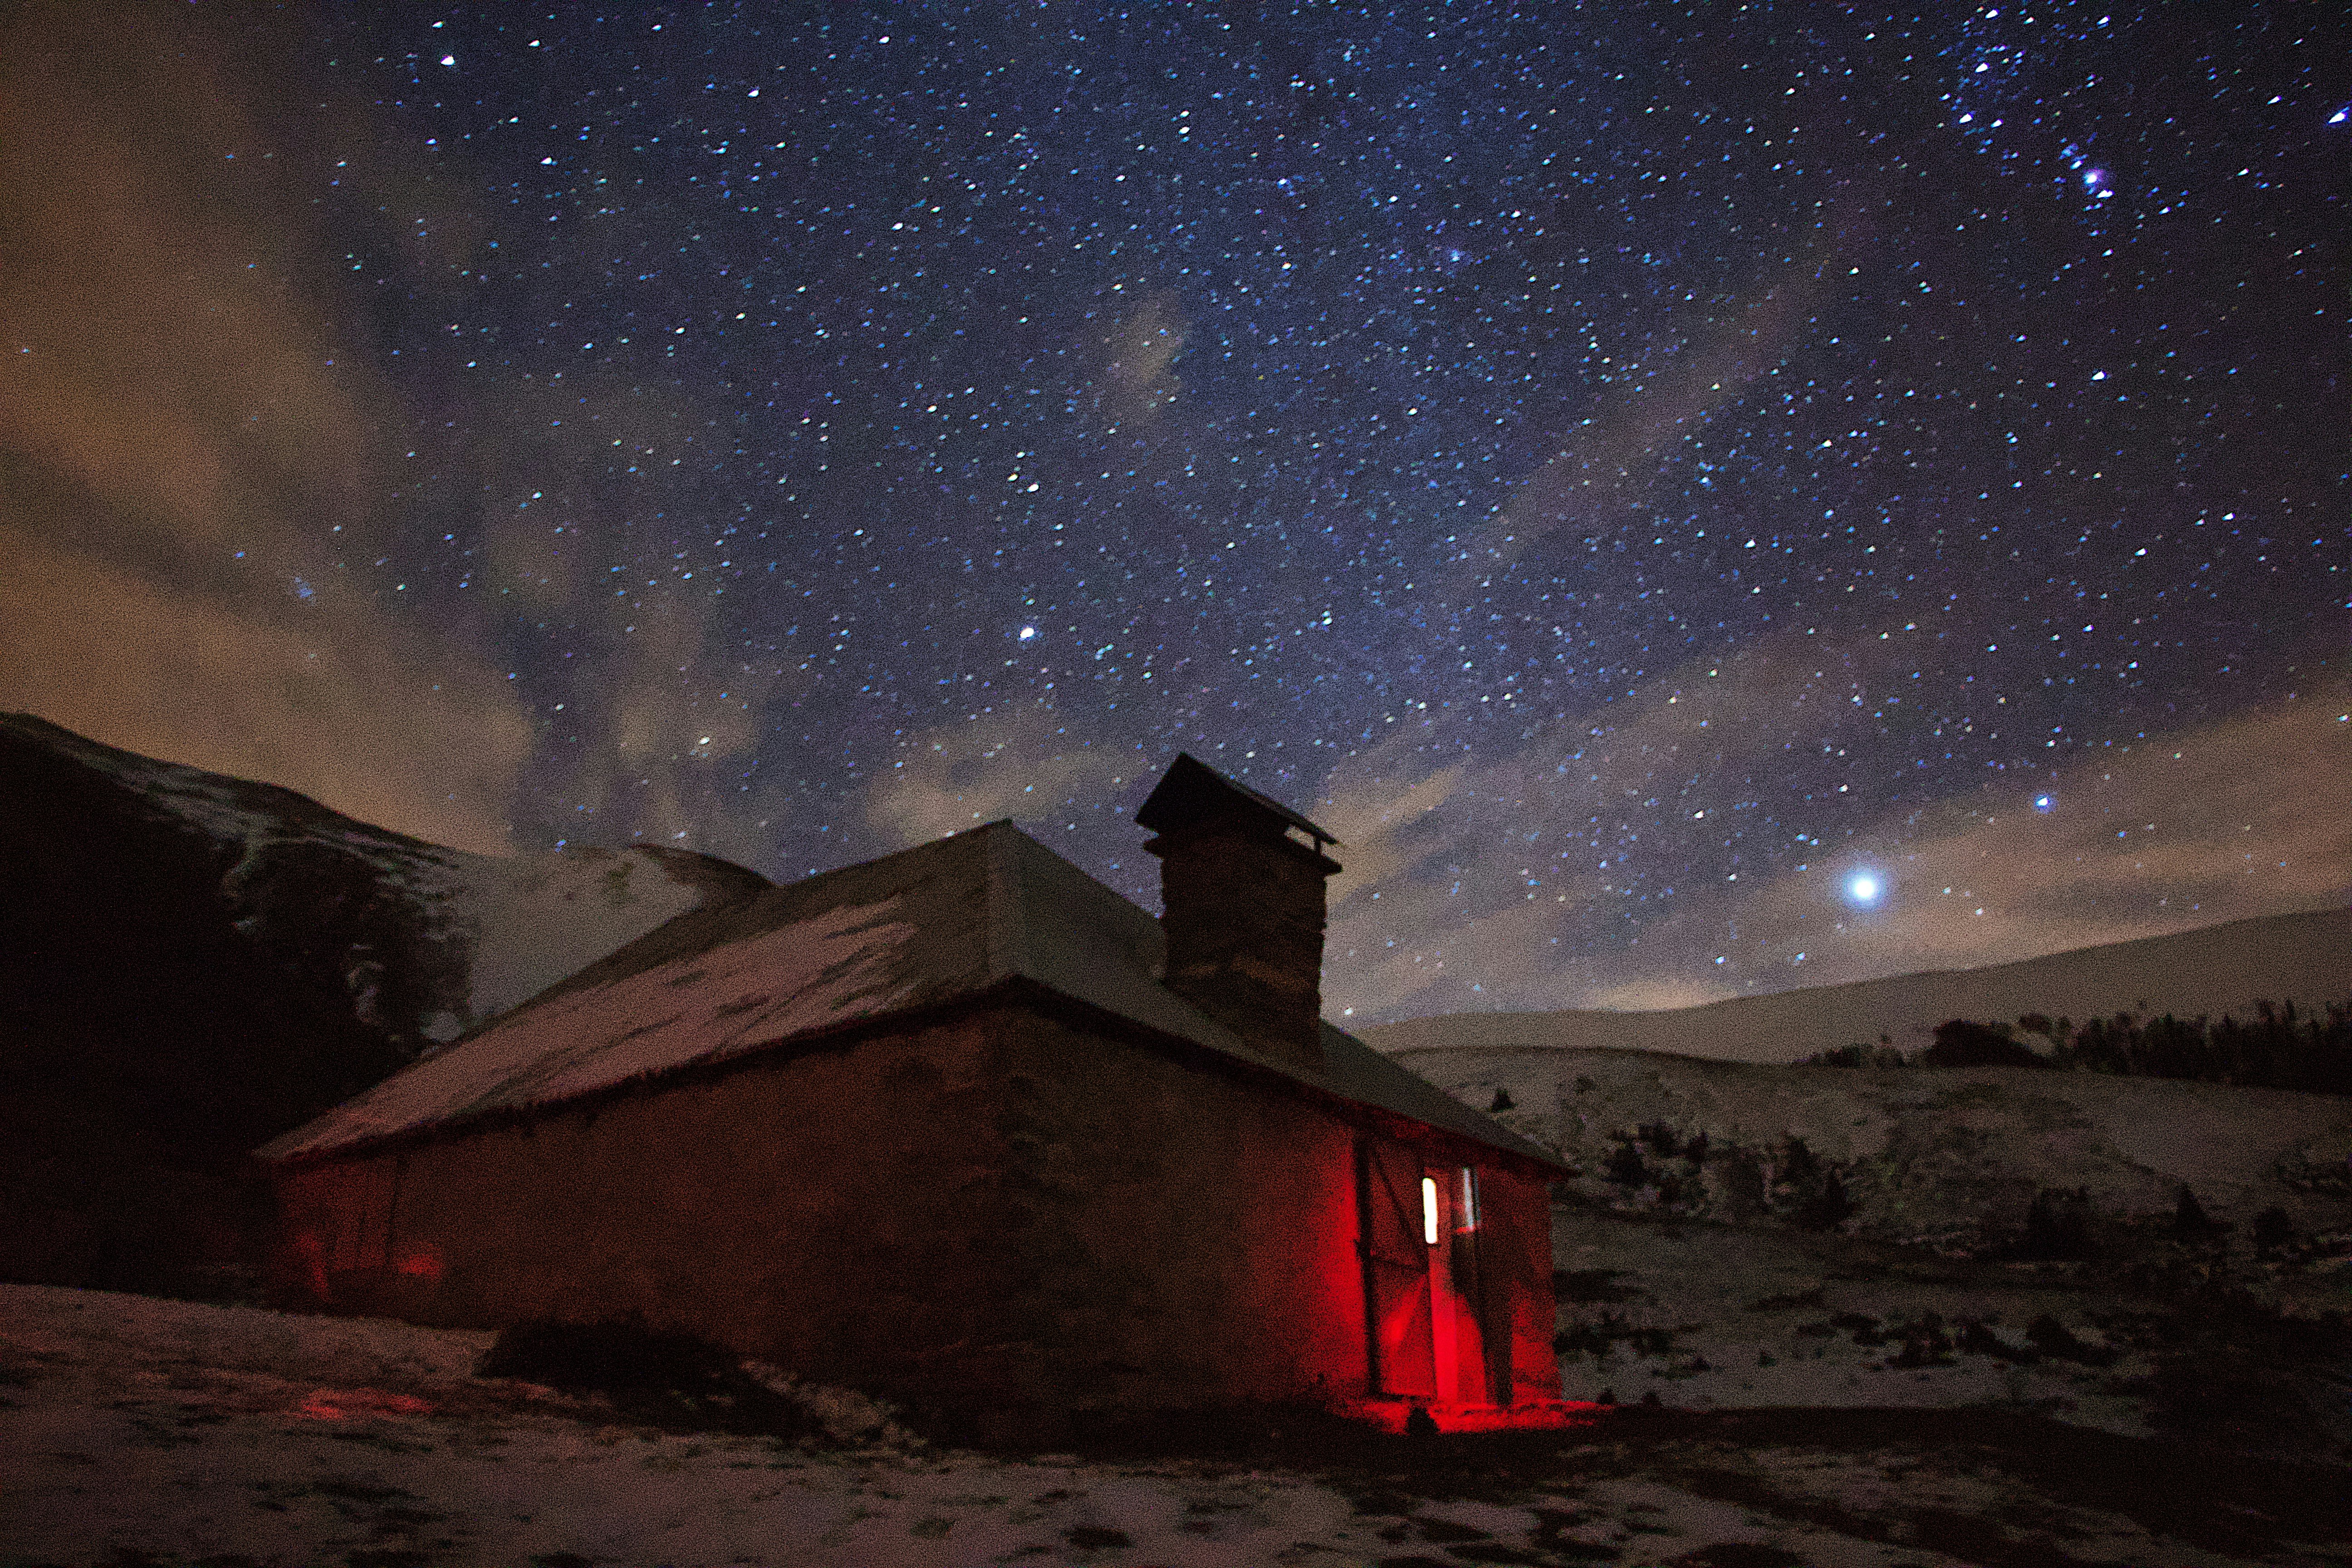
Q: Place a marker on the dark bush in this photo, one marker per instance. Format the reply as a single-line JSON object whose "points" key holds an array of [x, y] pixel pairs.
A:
{"points": [[1799, 1164], [1865, 1329], [2278, 1049], [1962, 1044], [1827, 1207], [1596, 1338], [606, 1356], [2273, 1232], [2190, 1222], [1696, 1150], [2057, 1228], [673, 1381], [1926, 1344], [1807, 1191], [1661, 1137], [2054, 1340], [1978, 1338], [1624, 1166], [1855, 1057], [1502, 1101]]}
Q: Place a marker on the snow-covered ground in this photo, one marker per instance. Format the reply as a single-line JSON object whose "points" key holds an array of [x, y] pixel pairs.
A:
{"points": [[146, 1431]]}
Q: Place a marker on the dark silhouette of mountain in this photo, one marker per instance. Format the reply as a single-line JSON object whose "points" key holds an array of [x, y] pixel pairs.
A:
{"points": [[191, 965]]}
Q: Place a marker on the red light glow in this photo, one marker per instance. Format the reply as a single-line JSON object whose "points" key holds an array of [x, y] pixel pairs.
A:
{"points": [[345, 1404], [1391, 1416]]}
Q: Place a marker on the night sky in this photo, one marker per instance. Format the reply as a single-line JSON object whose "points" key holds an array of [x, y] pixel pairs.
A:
{"points": [[1700, 499]]}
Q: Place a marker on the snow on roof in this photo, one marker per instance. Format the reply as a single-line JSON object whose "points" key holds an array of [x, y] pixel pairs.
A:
{"points": [[928, 925], [781, 983]]}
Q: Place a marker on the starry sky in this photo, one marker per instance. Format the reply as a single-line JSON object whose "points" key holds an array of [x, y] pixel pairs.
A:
{"points": [[1701, 499]]}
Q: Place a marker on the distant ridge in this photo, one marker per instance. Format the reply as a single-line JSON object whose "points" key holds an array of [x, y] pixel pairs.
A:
{"points": [[2305, 958]]}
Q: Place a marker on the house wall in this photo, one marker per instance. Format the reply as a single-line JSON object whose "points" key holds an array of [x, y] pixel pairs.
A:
{"points": [[841, 1211], [1194, 1239], [1010, 1213], [1189, 1237]]}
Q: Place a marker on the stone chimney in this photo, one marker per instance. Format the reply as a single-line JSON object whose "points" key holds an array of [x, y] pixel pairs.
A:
{"points": [[1241, 892]]}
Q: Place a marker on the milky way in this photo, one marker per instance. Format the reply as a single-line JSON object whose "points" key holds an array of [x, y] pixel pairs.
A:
{"points": [[1699, 498]]}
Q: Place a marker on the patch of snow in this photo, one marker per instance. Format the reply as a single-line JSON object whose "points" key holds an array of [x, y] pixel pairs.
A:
{"points": [[140, 1429], [796, 977], [539, 919]]}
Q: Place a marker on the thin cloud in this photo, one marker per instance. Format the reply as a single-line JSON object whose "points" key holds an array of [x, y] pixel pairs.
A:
{"points": [[181, 436], [1457, 895], [1022, 764]]}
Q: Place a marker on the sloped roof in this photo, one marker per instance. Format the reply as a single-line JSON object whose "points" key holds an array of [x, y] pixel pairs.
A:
{"points": [[913, 929]]}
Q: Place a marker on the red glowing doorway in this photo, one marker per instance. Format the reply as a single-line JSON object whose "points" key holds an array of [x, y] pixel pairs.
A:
{"points": [[1419, 1229]]}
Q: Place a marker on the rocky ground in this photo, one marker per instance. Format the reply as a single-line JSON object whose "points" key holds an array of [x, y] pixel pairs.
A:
{"points": [[141, 1431]]}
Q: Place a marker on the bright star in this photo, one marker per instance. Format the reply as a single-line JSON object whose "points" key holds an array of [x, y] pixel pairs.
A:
{"points": [[1028, 632], [1863, 887], [2046, 803]]}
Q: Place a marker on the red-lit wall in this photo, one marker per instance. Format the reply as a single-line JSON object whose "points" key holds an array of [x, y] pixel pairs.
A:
{"points": [[1194, 1232], [840, 1209], [1012, 1210]]}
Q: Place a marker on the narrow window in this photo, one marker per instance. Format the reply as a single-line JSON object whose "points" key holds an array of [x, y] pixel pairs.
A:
{"points": [[1429, 1210], [1466, 1215]]}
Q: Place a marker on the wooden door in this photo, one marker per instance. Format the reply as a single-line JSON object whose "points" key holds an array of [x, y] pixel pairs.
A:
{"points": [[1456, 1297], [1398, 1301]]}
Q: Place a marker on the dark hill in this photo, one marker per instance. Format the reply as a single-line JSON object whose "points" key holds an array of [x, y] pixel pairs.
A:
{"points": [[191, 965]]}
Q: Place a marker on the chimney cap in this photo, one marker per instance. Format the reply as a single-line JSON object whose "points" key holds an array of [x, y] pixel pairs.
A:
{"points": [[1193, 793]]}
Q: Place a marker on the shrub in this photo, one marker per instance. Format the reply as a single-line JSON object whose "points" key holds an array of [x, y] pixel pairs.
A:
{"points": [[2189, 1220], [1799, 1164], [1827, 1207], [1962, 1044], [682, 1384], [673, 1381], [2278, 1049], [1878, 1055], [1624, 1166], [1978, 1338], [1924, 1343], [2058, 1227], [2273, 1232], [2054, 1340], [1594, 1339]]}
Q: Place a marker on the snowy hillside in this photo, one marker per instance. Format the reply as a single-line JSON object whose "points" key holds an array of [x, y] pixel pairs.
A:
{"points": [[191, 965], [2224, 969], [428, 941], [1955, 1156]]}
